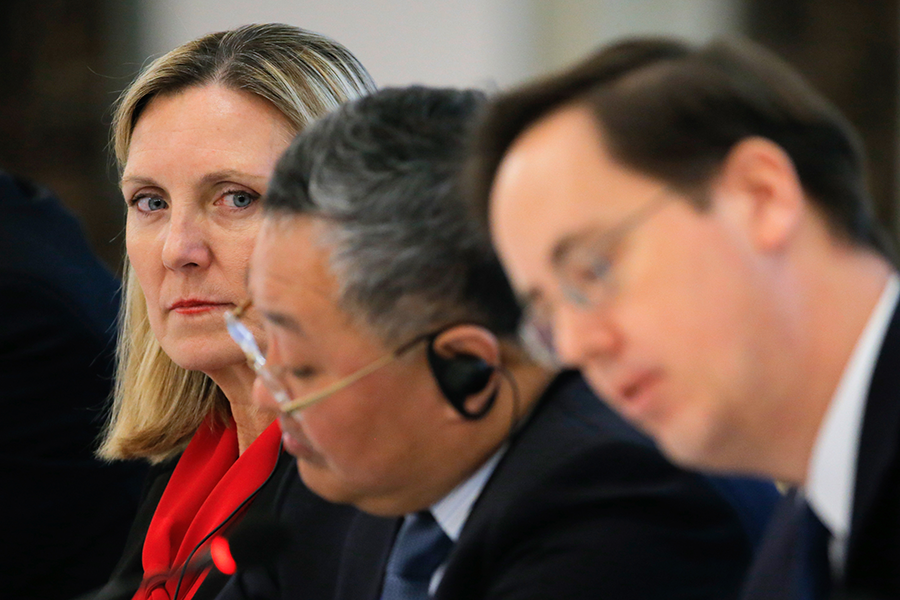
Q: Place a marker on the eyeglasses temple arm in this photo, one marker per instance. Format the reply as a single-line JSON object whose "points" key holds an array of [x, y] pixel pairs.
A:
{"points": [[306, 401]]}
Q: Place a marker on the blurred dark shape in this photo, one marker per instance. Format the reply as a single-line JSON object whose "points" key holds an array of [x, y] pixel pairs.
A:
{"points": [[67, 514], [62, 63], [850, 51]]}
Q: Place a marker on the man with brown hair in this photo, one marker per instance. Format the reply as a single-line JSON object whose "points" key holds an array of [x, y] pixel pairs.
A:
{"points": [[693, 227]]}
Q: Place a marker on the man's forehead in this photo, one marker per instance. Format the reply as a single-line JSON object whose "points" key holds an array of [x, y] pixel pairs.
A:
{"points": [[545, 141], [526, 211], [557, 189], [289, 260], [565, 158], [556, 165], [282, 237]]}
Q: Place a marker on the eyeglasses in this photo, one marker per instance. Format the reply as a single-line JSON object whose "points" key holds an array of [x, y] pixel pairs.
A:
{"points": [[584, 271], [244, 338], [584, 267]]}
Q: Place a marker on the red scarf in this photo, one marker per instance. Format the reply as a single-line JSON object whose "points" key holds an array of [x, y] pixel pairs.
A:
{"points": [[208, 484]]}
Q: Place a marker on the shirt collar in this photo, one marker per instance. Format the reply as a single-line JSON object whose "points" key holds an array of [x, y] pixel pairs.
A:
{"points": [[831, 475], [452, 510]]}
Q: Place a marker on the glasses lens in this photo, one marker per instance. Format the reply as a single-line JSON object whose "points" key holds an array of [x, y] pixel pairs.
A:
{"points": [[244, 338], [536, 334]]}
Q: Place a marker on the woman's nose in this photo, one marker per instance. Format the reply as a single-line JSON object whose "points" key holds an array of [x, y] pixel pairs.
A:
{"points": [[186, 243]]}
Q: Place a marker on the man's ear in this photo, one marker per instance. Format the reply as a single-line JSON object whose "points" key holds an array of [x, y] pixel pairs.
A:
{"points": [[759, 185], [464, 361], [468, 339]]}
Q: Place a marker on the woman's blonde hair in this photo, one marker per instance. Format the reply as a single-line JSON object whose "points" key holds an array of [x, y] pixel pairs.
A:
{"points": [[157, 405]]}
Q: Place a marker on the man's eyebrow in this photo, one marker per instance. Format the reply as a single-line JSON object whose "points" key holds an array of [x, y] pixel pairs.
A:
{"points": [[528, 298], [284, 321], [563, 247]]}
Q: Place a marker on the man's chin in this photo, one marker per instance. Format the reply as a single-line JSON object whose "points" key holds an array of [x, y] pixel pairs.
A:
{"points": [[696, 453]]}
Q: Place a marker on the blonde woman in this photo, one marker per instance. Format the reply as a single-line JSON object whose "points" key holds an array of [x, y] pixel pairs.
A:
{"points": [[196, 137]]}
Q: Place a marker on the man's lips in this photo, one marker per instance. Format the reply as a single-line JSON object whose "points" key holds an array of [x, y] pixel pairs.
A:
{"points": [[295, 441], [190, 306], [633, 396]]}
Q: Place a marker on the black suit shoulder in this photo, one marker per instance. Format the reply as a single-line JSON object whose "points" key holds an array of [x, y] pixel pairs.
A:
{"points": [[316, 530], [582, 506], [873, 550], [58, 305]]}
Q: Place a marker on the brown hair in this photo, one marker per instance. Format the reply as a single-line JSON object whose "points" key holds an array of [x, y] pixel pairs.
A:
{"points": [[674, 112]]}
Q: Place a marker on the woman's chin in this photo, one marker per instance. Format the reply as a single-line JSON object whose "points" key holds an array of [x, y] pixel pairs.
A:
{"points": [[206, 361]]}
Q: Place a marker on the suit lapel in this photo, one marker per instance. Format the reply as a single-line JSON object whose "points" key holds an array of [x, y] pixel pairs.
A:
{"points": [[878, 447], [534, 446], [365, 555], [775, 573]]}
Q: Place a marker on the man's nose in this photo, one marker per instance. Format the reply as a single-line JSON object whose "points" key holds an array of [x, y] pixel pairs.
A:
{"points": [[581, 335], [263, 398]]}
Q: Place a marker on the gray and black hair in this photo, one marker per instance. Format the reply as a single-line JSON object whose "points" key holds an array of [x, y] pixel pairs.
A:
{"points": [[383, 171]]}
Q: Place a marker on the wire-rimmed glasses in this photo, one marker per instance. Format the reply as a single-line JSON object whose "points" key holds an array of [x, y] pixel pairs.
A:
{"points": [[583, 268], [244, 338]]}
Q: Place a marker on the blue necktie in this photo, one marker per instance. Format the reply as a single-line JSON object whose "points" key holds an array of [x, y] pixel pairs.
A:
{"points": [[421, 546], [815, 570]]}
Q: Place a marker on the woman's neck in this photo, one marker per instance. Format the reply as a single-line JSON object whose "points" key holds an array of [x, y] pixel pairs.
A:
{"points": [[237, 385]]}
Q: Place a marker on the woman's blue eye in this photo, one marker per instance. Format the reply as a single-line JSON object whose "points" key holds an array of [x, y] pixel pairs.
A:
{"points": [[241, 199], [150, 203]]}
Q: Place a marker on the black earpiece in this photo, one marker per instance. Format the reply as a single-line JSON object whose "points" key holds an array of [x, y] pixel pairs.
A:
{"points": [[459, 377]]}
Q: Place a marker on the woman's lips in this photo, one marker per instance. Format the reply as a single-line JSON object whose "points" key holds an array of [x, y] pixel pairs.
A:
{"points": [[194, 306]]}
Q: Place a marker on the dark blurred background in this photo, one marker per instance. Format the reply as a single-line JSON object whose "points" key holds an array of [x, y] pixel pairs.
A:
{"points": [[849, 50], [63, 62]]}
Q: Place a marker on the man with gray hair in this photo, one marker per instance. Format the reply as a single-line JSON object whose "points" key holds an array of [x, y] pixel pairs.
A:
{"points": [[393, 358]]}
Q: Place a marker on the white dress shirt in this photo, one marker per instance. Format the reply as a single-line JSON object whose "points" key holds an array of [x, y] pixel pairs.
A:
{"points": [[831, 474], [452, 511]]}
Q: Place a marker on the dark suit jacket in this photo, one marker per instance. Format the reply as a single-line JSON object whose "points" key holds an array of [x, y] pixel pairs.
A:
{"points": [[318, 526], [580, 506], [67, 514], [308, 567], [872, 568]]}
